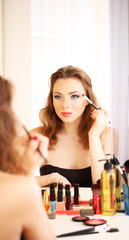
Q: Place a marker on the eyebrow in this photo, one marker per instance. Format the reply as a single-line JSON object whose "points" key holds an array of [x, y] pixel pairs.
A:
{"points": [[69, 93]]}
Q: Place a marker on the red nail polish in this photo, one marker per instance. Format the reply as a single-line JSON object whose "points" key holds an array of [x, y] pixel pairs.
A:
{"points": [[99, 108], [35, 138]]}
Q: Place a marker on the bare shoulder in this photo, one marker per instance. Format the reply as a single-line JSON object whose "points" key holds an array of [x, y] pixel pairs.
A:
{"points": [[20, 186]]}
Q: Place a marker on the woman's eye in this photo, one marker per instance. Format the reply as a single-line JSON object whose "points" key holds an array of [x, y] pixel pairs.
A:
{"points": [[57, 97], [75, 96]]}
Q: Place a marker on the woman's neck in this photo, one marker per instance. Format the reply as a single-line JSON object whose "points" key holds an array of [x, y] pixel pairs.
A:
{"points": [[71, 128]]}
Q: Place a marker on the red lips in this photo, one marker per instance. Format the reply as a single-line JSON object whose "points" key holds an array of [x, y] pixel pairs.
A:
{"points": [[66, 114]]}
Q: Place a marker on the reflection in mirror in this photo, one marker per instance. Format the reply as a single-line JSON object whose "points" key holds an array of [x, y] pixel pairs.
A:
{"points": [[89, 34]]}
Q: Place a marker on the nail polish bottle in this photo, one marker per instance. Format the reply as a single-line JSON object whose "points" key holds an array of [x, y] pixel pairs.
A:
{"points": [[67, 188], [60, 187], [51, 187], [52, 200], [60, 202], [68, 200], [76, 194], [45, 201]]}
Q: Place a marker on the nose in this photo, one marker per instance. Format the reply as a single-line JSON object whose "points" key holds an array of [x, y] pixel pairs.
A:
{"points": [[66, 103]]}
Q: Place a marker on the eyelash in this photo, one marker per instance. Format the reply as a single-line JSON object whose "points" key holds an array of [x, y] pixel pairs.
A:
{"points": [[57, 97], [75, 96]]}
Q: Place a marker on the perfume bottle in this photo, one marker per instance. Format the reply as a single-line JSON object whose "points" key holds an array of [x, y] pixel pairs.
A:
{"points": [[108, 190]]}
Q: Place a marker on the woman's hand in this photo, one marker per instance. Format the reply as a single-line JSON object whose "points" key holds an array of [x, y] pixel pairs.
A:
{"points": [[52, 178], [101, 120]]}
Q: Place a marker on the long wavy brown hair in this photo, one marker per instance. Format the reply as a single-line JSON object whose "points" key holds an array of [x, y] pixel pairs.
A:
{"points": [[10, 160], [52, 124]]}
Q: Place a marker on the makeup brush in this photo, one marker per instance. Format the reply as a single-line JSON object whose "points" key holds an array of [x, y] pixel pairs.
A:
{"points": [[96, 198], [30, 137], [90, 101], [83, 95], [93, 230]]}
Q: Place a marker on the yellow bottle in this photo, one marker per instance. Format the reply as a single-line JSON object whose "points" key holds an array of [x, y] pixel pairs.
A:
{"points": [[45, 201], [108, 190]]}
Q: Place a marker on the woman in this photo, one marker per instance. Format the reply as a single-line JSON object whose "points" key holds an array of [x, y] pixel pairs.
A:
{"points": [[78, 134], [21, 210]]}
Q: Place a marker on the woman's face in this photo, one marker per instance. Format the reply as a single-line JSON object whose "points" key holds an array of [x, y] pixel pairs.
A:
{"points": [[68, 102]]}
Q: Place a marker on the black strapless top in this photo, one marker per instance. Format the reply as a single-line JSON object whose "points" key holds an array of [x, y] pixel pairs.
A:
{"points": [[81, 176]]}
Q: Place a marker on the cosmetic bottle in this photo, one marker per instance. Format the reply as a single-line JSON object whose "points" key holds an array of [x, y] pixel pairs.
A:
{"points": [[67, 188], [68, 200], [51, 187], [45, 201], [60, 202], [59, 187], [115, 164], [52, 200], [76, 194], [108, 189]]}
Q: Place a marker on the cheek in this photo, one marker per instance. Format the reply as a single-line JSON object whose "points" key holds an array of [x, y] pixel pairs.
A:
{"points": [[56, 105], [80, 106]]}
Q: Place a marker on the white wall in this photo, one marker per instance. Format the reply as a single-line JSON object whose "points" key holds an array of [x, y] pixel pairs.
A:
{"points": [[17, 54]]}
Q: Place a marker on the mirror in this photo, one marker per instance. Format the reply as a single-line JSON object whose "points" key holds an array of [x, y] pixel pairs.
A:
{"points": [[41, 36]]}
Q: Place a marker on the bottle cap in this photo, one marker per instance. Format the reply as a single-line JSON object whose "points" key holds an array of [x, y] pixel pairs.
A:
{"points": [[52, 195], [52, 186], [76, 189], [107, 165], [59, 196], [68, 196], [67, 187], [60, 186]]}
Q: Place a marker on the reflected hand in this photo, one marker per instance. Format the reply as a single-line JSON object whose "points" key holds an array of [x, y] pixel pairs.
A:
{"points": [[101, 120], [54, 178]]}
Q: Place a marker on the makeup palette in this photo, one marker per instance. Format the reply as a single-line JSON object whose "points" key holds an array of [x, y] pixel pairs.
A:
{"points": [[95, 222], [80, 218]]}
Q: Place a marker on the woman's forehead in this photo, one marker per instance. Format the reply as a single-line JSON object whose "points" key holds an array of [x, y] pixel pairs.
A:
{"points": [[68, 85]]}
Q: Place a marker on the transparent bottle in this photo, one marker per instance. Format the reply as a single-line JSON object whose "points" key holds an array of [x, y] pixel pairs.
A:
{"points": [[115, 164], [108, 190]]}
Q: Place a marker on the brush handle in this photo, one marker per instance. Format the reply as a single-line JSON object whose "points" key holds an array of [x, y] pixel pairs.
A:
{"points": [[77, 233]]}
